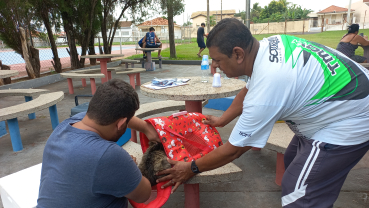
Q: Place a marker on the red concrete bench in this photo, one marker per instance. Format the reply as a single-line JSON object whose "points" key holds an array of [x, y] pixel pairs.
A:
{"points": [[92, 78], [278, 141], [131, 72]]}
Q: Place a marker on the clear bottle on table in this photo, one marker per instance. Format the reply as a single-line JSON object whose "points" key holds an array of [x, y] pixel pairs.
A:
{"points": [[204, 69]]}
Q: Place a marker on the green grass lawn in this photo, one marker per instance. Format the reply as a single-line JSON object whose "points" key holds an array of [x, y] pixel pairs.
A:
{"points": [[189, 51]]}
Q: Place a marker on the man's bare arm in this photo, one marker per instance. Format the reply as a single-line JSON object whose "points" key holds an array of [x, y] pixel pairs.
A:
{"points": [[142, 192], [144, 127], [234, 110]]}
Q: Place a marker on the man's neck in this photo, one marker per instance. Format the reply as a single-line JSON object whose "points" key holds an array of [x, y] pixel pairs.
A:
{"points": [[250, 58], [89, 125]]}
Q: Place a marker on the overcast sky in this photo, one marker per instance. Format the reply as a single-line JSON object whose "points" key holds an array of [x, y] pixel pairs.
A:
{"points": [[200, 5]]}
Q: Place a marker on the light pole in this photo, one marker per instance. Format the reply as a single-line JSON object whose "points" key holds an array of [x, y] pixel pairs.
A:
{"points": [[208, 18], [247, 14], [349, 13]]}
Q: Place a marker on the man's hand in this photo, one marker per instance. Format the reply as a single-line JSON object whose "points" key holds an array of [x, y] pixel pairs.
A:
{"points": [[213, 121], [179, 173]]}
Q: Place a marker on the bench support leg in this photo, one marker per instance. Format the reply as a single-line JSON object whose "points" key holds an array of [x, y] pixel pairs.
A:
{"points": [[109, 75], [126, 65], [138, 79], [133, 136], [70, 86], [54, 116], [280, 169], [192, 195], [133, 65], [31, 115], [93, 85], [84, 83], [132, 80], [2, 128], [15, 134], [160, 63], [143, 63]]}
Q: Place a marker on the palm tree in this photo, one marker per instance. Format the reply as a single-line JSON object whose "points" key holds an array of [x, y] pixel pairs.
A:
{"points": [[284, 2]]}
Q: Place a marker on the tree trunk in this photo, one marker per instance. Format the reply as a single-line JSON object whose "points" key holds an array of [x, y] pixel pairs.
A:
{"points": [[57, 65], [172, 43], [35, 60], [29, 67], [68, 27], [91, 50]]}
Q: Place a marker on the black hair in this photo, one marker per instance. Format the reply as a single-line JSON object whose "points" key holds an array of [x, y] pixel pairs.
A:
{"points": [[151, 29], [353, 28], [202, 24], [113, 100], [230, 33]]}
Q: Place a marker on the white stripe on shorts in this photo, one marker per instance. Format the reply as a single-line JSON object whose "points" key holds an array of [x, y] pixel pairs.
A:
{"points": [[301, 189]]}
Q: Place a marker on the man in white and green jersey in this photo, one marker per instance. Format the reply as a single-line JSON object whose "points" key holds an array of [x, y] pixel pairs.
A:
{"points": [[320, 93]]}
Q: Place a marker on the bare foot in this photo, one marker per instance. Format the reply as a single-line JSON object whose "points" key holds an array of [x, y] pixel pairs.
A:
{"points": [[199, 55]]}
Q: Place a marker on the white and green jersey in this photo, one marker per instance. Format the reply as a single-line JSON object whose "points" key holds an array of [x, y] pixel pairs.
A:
{"points": [[319, 92]]}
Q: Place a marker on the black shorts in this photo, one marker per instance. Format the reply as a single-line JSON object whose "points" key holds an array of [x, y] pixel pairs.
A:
{"points": [[315, 171], [155, 46], [201, 44]]}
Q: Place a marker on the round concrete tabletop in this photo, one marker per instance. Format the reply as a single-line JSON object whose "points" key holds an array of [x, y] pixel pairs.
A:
{"points": [[100, 56], [196, 90], [8, 73], [147, 49]]}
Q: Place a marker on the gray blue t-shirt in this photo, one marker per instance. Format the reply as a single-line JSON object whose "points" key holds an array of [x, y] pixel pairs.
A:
{"points": [[81, 169]]}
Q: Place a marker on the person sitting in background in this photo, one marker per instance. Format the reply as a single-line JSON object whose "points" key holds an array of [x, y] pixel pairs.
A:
{"points": [[82, 165], [152, 41], [349, 43]]}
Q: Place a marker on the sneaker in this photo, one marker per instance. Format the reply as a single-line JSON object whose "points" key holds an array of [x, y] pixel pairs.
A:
{"points": [[144, 56], [160, 57]]}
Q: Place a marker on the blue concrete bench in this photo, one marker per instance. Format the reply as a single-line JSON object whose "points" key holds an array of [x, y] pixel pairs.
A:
{"points": [[10, 114], [28, 95]]}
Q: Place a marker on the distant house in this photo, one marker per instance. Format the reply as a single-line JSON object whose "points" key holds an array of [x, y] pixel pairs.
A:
{"points": [[200, 16], [361, 14], [334, 15], [124, 31], [161, 27]]}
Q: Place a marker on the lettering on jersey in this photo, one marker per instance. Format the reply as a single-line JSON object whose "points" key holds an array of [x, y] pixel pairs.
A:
{"points": [[322, 54], [244, 134], [274, 50]]}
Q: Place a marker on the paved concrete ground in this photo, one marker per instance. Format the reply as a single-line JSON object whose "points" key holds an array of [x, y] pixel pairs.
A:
{"points": [[256, 189]]}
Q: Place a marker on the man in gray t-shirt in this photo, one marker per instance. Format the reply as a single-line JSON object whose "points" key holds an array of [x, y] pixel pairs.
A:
{"points": [[82, 164]]}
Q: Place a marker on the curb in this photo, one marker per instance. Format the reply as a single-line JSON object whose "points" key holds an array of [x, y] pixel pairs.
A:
{"points": [[42, 81]]}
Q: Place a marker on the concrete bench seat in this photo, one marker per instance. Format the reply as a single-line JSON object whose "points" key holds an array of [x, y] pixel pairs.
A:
{"points": [[92, 78], [129, 61], [11, 113], [154, 58], [278, 141], [132, 73]]}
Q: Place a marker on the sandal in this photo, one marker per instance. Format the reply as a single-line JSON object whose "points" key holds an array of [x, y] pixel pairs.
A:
{"points": [[198, 55]]}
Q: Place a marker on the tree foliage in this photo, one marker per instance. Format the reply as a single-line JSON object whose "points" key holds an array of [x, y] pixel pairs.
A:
{"points": [[275, 11], [211, 20]]}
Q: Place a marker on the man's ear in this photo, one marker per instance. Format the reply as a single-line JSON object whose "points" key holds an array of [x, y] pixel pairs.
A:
{"points": [[239, 53], [120, 123]]}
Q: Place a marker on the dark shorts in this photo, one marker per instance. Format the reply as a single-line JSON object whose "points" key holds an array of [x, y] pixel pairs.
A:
{"points": [[141, 45], [358, 59], [315, 171], [155, 46], [201, 44]]}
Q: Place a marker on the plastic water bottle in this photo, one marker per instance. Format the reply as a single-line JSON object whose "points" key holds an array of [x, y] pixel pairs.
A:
{"points": [[204, 69]]}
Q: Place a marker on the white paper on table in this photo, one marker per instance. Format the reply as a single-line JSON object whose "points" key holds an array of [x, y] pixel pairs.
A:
{"points": [[155, 87]]}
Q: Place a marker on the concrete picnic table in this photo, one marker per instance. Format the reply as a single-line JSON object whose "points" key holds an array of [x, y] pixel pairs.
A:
{"points": [[193, 94], [149, 66], [103, 58], [6, 74]]}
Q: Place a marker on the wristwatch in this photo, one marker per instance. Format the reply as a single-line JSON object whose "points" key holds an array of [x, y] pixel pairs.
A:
{"points": [[194, 167]]}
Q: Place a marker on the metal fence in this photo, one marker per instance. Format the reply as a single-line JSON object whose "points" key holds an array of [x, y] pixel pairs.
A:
{"points": [[123, 45]]}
